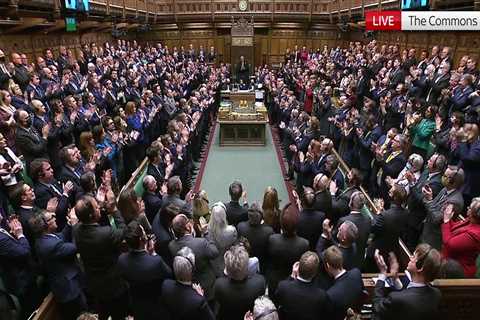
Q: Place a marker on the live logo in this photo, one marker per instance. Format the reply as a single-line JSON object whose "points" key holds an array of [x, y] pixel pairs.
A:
{"points": [[383, 20]]}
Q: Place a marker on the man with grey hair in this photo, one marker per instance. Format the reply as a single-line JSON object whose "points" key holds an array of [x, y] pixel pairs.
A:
{"points": [[151, 197], [361, 221], [237, 292], [346, 236], [299, 297], [263, 309], [182, 298]]}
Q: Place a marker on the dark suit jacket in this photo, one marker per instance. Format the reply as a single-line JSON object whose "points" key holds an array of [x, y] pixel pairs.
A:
{"points": [[283, 253], [349, 254], [435, 88], [204, 251], [299, 300], [153, 204], [236, 213], [346, 292], [417, 303], [389, 225], [469, 155], [323, 202], [30, 145], [257, 236], [98, 248], [57, 255], [15, 262], [145, 274], [184, 303], [432, 233], [158, 174], [44, 193], [235, 298], [310, 226], [364, 225]]}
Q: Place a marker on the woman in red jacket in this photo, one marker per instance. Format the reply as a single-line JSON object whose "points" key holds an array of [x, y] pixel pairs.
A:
{"points": [[308, 103], [461, 240]]}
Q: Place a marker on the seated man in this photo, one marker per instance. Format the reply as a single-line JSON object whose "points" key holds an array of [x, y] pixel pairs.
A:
{"points": [[418, 300]]}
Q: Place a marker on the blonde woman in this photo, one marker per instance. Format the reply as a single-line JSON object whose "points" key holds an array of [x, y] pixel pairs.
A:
{"points": [[271, 211], [7, 123], [201, 211], [220, 233]]}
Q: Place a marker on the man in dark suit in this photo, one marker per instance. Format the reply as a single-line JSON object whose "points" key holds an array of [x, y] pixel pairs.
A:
{"points": [[27, 140], [155, 166], [21, 75], [345, 239], [391, 224], [432, 176], [439, 82], [5, 74], [151, 197], [71, 169], [323, 198], [460, 96], [57, 255], [183, 299], [419, 300], [145, 273], [235, 212], [310, 221], [347, 289], [17, 273], [256, 233], [468, 151], [391, 164], [242, 70], [98, 248], [204, 250], [298, 297], [340, 202], [397, 76], [174, 188], [46, 188], [363, 223], [452, 179], [237, 292]]}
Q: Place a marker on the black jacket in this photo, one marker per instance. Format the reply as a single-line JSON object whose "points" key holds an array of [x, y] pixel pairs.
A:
{"points": [[417, 303], [257, 236], [310, 226], [346, 292], [235, 298], [299, 300], [236, 213], [184, 303]]}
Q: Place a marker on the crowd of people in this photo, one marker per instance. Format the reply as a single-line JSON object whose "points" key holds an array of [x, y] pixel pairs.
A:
{"points": [[74, 129]]}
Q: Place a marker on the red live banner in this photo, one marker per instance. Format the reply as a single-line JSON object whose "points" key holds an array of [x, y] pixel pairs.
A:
{"points": [[383, 20]]}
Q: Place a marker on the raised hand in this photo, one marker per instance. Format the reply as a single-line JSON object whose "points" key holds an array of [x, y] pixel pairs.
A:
{"points": [[198, 289], [382, 266], [68, 187], [52, 204]]}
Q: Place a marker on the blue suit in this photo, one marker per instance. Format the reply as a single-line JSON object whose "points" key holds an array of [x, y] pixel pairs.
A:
{"points": [[14, 261], [58, 258], [469, 155]]}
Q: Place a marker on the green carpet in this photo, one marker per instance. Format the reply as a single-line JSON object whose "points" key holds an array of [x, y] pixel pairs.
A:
{"points": [[255, 167]]}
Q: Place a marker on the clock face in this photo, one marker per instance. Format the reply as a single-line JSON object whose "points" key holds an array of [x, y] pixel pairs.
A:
{"points": [[243, 5]]}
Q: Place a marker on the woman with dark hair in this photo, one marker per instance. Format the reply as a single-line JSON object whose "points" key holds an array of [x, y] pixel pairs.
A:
{"points": [[109, 149], [421, 130], [132, 208], [270, 206], [136, 123], [161, 227], [284, 248]]}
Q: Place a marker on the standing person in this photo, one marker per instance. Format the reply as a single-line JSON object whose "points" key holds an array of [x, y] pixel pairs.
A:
{"points": [[419, 300], [183, 298], [237, 292], [298, 297], [270, 206], [98, 248], [221, 234], [57, 254], [235, 212]]}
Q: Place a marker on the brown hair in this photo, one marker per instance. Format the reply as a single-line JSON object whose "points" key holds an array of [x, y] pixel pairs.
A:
{"points": [[271, 208], [333, 257], [130, 108], [289, 220]]}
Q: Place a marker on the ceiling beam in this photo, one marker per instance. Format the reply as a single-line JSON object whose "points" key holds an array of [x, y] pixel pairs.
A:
{"points": [[26, 23]]}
